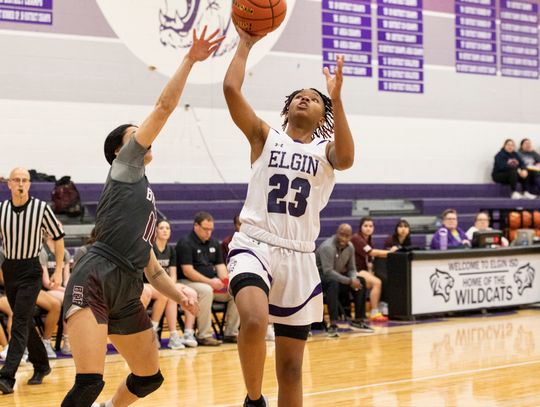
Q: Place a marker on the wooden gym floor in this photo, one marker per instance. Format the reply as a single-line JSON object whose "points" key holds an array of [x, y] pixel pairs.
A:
{"points": [[482, 360]]}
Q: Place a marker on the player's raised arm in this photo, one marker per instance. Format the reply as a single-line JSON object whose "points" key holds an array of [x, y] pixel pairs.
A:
{"points": [[200, 50], [340, 152], [241, 112]]}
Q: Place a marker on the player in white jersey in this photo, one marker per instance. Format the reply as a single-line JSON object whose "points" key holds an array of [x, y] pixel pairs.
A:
{"points": [[271, 263]]}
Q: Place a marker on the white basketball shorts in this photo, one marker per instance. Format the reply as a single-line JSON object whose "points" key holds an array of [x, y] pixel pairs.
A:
{"points": [[295, 292]]}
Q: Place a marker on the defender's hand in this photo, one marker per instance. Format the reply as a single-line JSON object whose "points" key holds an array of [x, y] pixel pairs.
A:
{"points": [[203, 47]]}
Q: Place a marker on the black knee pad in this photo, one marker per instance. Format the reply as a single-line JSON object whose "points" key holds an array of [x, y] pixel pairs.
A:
{"points": [[292, 331], [85, 391], [142, 386], [247, 280]]}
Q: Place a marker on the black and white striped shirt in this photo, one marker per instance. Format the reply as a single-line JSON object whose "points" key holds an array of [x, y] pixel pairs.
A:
{"points": [[22, 228]]}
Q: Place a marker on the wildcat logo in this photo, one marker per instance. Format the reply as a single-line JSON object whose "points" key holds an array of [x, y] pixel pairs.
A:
{"points": [[231, 265], [175, 24], [159, 32], [441, 284], [524, 277]]}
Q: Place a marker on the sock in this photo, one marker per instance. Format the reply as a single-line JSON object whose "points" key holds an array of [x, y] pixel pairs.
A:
{"points": [[155, 325], [108, 403], [374, 311], [188, 331], [173, 334]]}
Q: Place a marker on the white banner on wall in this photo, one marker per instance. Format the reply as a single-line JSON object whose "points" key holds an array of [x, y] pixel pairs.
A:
{"points": [[460, 284]]}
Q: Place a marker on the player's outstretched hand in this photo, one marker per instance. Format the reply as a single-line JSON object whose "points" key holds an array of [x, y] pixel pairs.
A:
{"points": [[333, 83], [203, 47]]}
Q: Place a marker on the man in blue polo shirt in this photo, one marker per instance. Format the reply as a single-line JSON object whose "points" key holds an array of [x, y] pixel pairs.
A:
{"points": [[200, 266]]}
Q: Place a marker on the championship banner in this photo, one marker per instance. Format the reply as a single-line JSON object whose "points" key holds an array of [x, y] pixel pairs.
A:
{"points": [[472, 283]]}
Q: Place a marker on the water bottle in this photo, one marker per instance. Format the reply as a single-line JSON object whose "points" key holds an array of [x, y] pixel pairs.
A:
{"points": [[443, 239]]}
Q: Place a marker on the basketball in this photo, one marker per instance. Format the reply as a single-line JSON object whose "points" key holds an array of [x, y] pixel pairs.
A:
{"points": [[514, 220], [536, 219], [258, 17], [527, 219]]}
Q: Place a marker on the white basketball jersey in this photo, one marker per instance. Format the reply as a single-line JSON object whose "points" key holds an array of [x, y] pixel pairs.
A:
{"points": [[290, 184]]}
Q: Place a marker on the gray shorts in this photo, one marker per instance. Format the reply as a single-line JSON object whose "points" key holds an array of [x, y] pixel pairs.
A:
{"points": [[113, 295]]}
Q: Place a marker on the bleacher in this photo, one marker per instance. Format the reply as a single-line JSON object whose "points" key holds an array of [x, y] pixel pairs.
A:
{"points": [[420, 204]]}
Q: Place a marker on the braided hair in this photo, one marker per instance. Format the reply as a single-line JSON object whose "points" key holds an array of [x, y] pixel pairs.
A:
{"points": [[326, 130]]}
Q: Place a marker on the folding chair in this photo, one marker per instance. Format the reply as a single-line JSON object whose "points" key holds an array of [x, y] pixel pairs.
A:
{"points": [[219, 314]]}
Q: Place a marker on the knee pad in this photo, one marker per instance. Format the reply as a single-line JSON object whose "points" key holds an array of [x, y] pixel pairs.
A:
{"points": [[142, 386], [85, 391], [292, 331]]}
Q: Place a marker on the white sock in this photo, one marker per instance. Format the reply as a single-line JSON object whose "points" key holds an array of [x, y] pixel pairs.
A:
{"points": [[173, 334], [155, 325], [108, 403], [375, 311], [188, 331]]}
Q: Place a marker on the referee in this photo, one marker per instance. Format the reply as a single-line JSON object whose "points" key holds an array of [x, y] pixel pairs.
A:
{"points": [[22, 222]]}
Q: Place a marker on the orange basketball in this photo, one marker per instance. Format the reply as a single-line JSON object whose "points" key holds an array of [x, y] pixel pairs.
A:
{"points": [[536, 219], [258, 17], [527, 219], [514, 220]]}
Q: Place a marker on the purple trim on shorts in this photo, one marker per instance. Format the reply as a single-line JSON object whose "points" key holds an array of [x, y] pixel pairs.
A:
{"points": [[287, 312], [323, 141], [235, 252]]}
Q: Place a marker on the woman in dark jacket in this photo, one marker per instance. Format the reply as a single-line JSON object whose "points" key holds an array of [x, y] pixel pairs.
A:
{"points": [[532, 160], [401, 237], [509, 169]]}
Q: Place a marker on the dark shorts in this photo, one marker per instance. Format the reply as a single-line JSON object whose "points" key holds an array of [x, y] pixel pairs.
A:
{"points": [[113, 295]]}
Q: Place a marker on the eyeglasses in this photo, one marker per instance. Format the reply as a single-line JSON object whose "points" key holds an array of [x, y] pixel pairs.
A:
{"points": [[19, 180], [207, 230]]}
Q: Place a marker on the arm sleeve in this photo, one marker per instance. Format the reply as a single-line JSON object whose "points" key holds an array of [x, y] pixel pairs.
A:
{"points": [[351, 265], [327, 263], [500, 163], [521, 162], [51, 225], [129, 164]]}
